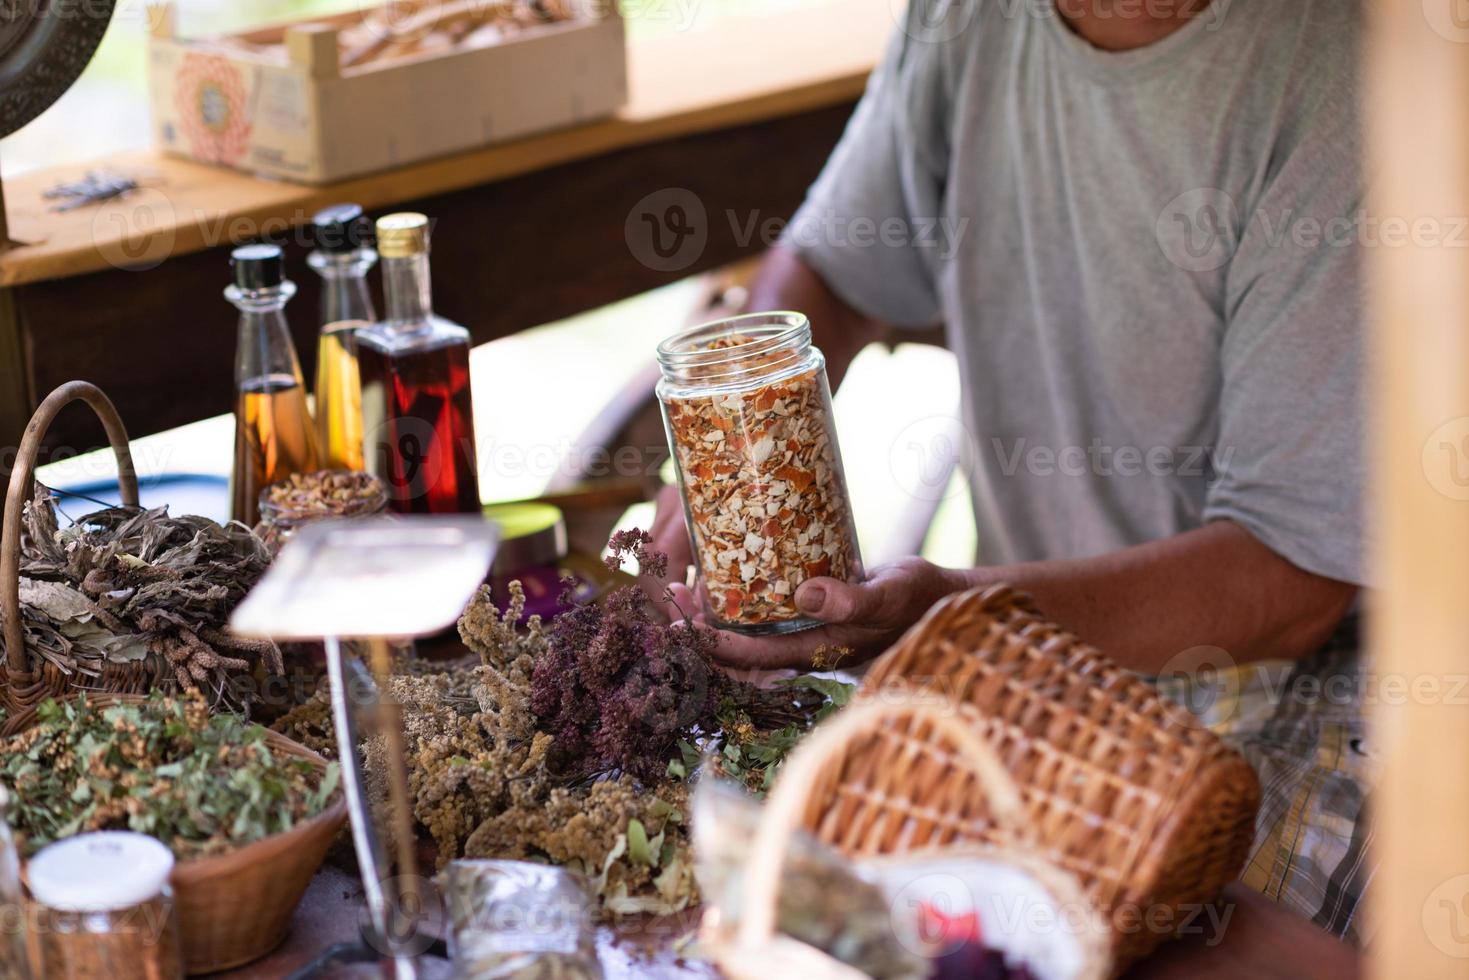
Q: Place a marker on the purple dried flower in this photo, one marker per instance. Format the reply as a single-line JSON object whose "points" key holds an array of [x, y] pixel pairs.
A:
{"points": [[617, 690]]}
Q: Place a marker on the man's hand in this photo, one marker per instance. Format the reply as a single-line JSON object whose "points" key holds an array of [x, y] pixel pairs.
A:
{"points": [[670, 535], [866, 617]]}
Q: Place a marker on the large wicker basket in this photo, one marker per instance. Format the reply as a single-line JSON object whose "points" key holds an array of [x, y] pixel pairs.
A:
{"points": [[1152, 813], [236, 907]]}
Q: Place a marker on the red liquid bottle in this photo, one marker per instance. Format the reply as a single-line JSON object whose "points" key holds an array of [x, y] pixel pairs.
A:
{"points": [[418, 416]]}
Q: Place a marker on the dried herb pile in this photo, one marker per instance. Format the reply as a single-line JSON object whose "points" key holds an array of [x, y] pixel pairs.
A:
{"points": [[126, 586], [201, 783], [614, 688], [573, 742]]}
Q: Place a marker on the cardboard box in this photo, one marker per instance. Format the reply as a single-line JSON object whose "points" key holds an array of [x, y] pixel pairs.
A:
{"points": [[279, 100]]}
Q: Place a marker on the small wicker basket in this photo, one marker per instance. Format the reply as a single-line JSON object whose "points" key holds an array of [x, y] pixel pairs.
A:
{"points": [[939, 742], [1150, 812], [234, 908]]}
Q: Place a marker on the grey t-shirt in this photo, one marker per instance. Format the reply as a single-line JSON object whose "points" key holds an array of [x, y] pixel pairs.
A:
{"points": [[1147, 263]]}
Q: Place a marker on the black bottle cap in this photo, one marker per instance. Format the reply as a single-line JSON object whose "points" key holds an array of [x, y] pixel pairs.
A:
{"points": [[341, 228], [258, 266]]}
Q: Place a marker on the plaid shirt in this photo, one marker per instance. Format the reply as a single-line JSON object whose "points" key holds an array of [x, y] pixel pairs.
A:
{"points": [[1301, 725]]}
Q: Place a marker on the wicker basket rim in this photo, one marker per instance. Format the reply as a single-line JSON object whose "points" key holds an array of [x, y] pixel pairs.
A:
{"points": [[335, 812]]}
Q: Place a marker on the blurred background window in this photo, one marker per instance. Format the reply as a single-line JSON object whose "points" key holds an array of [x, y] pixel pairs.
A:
{"points": [[107, 110], [894, 448]]}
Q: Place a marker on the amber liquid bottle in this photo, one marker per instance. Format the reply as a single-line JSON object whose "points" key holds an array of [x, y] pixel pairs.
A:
{"points": [[418, 416], [342, 258], [273, 429]]}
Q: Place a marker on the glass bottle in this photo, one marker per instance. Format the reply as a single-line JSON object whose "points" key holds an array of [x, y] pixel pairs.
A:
{"points": [[15, 960], [748, 411], [418, 417], [274, 436], [342, 258]]}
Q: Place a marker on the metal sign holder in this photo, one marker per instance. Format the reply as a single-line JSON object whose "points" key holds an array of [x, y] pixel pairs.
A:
{"points": [[371, 582]]}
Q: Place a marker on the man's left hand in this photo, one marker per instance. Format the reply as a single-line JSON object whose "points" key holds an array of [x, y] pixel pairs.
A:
{"points": [[866, 617]]}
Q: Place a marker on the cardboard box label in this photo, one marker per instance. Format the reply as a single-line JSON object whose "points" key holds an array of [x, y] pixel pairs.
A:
{"points": [[211, 98]]}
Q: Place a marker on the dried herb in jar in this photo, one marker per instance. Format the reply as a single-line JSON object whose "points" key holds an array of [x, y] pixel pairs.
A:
{"points": [[750, 425], [304, 498]]}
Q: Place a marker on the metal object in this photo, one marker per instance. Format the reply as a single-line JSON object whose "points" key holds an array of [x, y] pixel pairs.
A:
{"points": [[94, 187], [43, 48], [371, 579]]}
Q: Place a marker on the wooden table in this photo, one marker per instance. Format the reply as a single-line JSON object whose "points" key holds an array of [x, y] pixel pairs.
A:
{"points": [[1260, 940], [1255, 937]]}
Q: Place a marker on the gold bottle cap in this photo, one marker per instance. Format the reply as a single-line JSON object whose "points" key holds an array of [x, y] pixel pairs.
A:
{"points": [[402, 234]]}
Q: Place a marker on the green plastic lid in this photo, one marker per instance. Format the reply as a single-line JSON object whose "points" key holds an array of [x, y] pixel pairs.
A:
{"points": [[531, 534]]}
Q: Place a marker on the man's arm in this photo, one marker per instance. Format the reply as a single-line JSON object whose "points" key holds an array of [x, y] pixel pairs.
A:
{"points": [[1215, 586], [784, 282]]}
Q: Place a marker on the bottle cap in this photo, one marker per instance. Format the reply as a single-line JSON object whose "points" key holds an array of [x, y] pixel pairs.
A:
{"points": [[100, 872], [402, 234], [258, 266], [341, 228]]}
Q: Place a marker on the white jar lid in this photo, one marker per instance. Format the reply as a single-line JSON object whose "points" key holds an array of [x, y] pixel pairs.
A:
{"points": [[99, 872]]}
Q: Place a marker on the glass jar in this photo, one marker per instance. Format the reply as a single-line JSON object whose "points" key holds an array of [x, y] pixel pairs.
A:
{"points": [[748, 412], [106, 909], [304, 498], [15, 956]]}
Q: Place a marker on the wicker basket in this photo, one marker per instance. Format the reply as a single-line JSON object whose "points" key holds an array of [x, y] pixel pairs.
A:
{"points": [[1123, 789], [937, 745], [236, 907], [24, 684], [29, 678]]}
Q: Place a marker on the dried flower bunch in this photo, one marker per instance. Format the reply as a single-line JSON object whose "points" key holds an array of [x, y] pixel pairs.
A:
{"points": [[617, 689], [124, 586], [765, 493], [201, 783], [523, 757]]}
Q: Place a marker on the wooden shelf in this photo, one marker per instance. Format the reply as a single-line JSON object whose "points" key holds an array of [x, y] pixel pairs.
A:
{"points": [[736, 72]]}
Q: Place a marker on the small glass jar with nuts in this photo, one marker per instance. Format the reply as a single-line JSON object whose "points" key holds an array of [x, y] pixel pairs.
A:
{"points": [[304, 498], [748, 412]]}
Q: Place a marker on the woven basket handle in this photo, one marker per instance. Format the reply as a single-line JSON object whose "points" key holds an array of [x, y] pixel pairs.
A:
{"points": [[786, 807], [20, 491]]}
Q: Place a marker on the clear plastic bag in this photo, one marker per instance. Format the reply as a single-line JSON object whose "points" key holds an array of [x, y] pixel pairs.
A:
{"points": [[513, 920], [825, 901]]}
